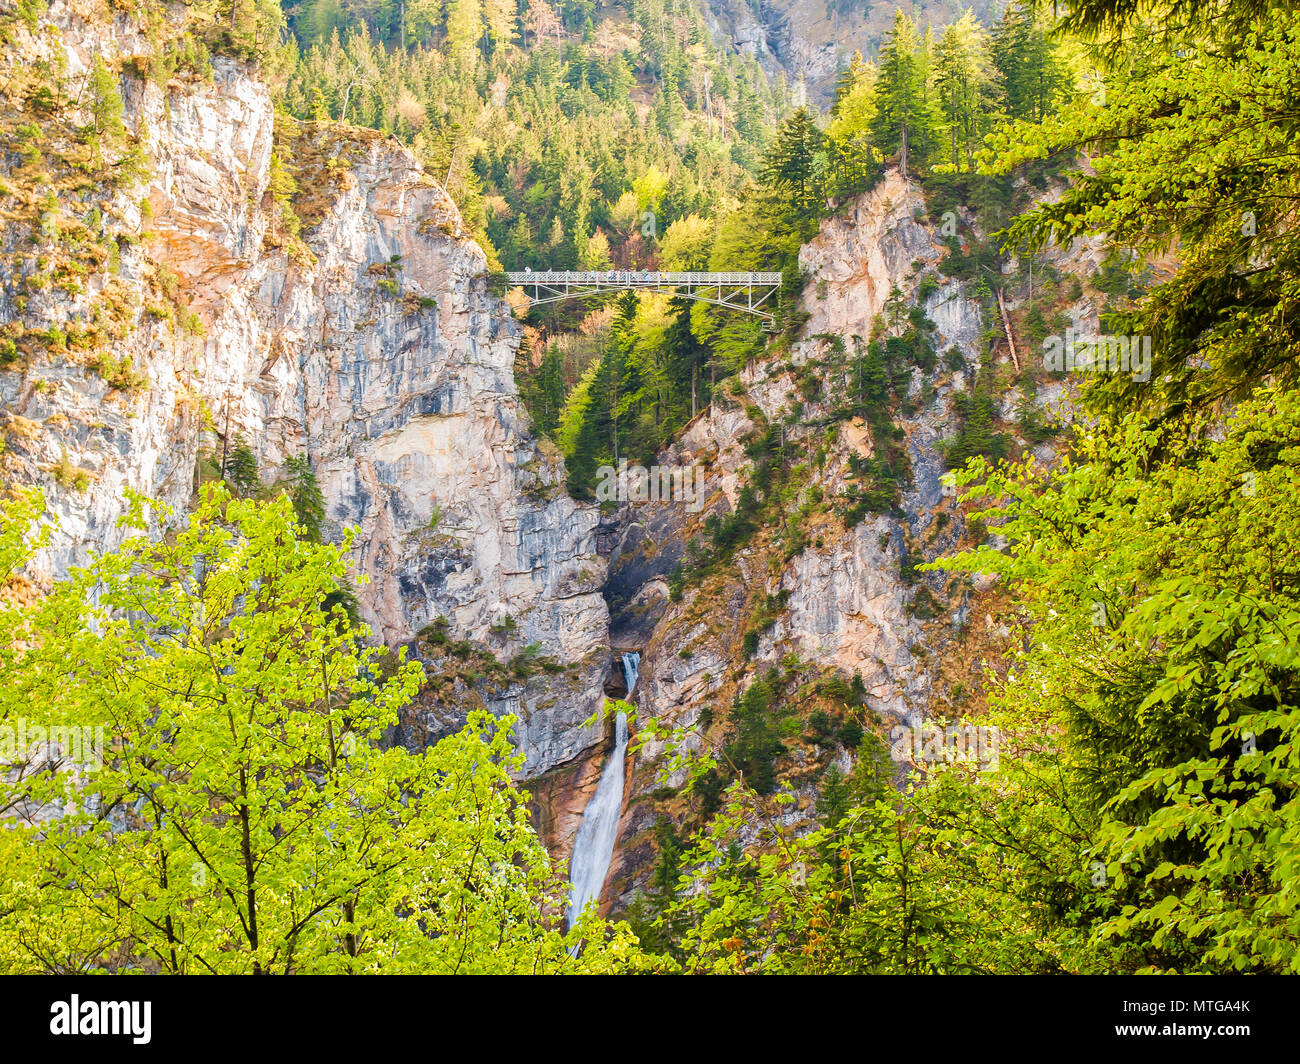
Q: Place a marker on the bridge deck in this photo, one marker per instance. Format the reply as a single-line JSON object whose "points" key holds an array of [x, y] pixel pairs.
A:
{"points": [[637, 278]]}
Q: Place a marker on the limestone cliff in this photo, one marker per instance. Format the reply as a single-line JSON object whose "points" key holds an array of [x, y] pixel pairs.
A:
{"points": [[820, 595], [156, 314], [810, 41]]}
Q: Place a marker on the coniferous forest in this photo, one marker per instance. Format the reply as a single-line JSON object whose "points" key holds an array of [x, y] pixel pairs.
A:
{"points": [[324, 751]]}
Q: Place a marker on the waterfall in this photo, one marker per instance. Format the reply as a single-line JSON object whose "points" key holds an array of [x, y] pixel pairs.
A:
{"points": [[631, 662], [598, 830]]}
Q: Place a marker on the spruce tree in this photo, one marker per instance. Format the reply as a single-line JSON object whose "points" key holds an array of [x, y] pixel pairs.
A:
{"points": [[305, 494], [901, 106], [792, 166], [1031, 75], [847, 80], [240, 469]]}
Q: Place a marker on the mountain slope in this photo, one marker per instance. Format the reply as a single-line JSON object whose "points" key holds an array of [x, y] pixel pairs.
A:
{"points": [[166, 319]]}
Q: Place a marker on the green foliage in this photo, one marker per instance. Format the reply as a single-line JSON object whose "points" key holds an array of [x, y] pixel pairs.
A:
{"points": [[1031, 76], [1144, 815], [239, 469], [544, 391], [962, 91], [976, 411], [793, 169], [676, 582], [532, 127], [251, 30], [656, 931], [877, 889], [902, 115], [833, 796], [67, 475], [30, 11], [1177, 732], [305, 494], [754, 742], [283, 187], [1142, 818], [120, 373], [246, 816], [928, 105], [1214, 117], [106, 107]]}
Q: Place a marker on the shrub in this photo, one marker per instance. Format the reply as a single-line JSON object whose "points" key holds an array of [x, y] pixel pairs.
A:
{"points": [[676, 582], [850, 734], [821, 729]]}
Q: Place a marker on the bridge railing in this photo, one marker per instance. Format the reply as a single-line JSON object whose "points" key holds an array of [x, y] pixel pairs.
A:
{"points": [[640, 277]]}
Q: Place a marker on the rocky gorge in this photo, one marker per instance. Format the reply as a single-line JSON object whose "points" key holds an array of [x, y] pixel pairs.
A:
{"points": [[373, 348], [849, 601], [376, 347]]}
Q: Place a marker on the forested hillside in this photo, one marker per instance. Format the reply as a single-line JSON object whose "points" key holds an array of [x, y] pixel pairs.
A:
{"points": [[555, 128], [976, 649], [640, 370], [1142, 814]]}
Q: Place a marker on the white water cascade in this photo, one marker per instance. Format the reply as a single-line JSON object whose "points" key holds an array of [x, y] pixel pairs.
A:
{"points": [[598, 830]]}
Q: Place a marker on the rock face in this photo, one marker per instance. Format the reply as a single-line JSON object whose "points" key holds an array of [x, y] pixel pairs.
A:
{"points": [[809, 41], [375, 349], [850, 600]]}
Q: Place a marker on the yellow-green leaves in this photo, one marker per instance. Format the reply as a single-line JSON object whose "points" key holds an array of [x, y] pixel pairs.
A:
{"points": [[244, 812]]}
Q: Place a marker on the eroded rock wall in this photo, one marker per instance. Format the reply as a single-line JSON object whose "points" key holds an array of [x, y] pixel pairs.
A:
{"points": [[849, 599], [374, 348]]}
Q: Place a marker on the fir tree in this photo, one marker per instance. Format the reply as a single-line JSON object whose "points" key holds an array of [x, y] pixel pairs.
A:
{"points": [[793, 167], [901, 117], [240, 469], [305, 493], [1031, 76]]}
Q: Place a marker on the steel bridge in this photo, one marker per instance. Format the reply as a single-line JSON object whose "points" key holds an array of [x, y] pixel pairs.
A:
{"points": [[745, 292]]}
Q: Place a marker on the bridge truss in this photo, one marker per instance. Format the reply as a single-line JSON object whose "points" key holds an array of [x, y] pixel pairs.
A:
{"points": [[746, 292]]}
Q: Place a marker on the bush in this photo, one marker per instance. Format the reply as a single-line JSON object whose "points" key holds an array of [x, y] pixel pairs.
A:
{"points": [[676, 582], [435, 632], [850, 734], [821, 729]]}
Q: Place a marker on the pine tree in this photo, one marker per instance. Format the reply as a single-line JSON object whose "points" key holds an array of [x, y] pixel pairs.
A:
{"points": [[901, 112], [792, 167], [1031, 75], [240, 470]]}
